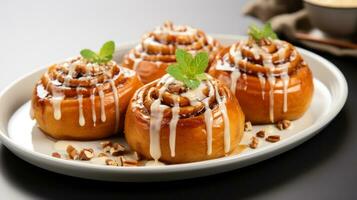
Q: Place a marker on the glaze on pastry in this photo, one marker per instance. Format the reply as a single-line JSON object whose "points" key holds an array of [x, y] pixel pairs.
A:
{"points": [[170, 122], [156, 51], [269, 78], [82, 100]]}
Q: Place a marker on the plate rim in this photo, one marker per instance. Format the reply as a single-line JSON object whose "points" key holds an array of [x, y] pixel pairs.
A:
{"points": [[253, 157]]}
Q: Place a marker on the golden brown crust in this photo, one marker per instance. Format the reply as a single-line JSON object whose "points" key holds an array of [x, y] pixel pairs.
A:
{"points": [[68, 126], [156, 50], [253, 93], [191, 133]]}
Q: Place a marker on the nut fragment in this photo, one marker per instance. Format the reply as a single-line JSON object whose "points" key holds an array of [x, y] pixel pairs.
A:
{"points": [[119, 160], [102, 155], [129, 159], [254, 143], [117, 149], [72, 152], [116, 152], [284, 124], [90, 149], [273, 138], [105, 144], [260, 134], [111, 162], [130, 164], [248, 126], [107, 149], [86, 154], [56, 155]]}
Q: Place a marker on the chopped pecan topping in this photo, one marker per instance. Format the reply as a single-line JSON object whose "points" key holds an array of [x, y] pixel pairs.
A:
{"points": [[102, 155], [111, 162], [284, 124], [260, 134], [86, 154], [72, 152], [248, 126], [104, 144], [254, 143], [273, 138], [56, 155], [117, 149]]}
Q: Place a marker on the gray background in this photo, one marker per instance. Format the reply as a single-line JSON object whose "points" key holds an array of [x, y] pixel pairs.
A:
{"points": [[36, 33]]}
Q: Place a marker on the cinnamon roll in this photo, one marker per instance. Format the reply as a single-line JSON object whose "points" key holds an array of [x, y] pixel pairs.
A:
{"points": [[269, 78], [156, 51], [82, 100], [170, 122]]}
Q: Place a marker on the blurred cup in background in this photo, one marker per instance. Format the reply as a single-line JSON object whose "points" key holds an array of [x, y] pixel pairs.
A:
{"points": [[334, 17]]}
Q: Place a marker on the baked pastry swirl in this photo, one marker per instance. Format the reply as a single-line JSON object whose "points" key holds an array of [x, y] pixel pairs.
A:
{"points": [[269, 78], [167, 121], [156, 51], [82, 100]]}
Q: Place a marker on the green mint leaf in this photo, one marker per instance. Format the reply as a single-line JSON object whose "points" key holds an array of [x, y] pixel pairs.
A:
{"points": [[188, 69], [201, 77], [107, 50], [175, 72], [266, 32], [200, 62], [192, 83], [254, 32], [105, 59], [105, 54], [89, 55], [184, 59]]}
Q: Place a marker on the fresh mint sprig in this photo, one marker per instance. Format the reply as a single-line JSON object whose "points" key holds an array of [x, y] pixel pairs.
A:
{"points": [[188, 69], [105, 53], [266, 32]]}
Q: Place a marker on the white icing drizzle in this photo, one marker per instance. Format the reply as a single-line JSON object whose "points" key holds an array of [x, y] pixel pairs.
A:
{"points": [[262, 83], [223, 108], [82, 70], [116, 103], [159, 39], [224, 66], [281, 53], [102, 105], [56, 105], [94, 116], [256, 51], [82, 121], [267, 61], [173, 125], [271, 80], [156, 115], [234, 79], [135, 60], [285, 79], [209, 118], [176, 30], [195, 96], [71, 70], [154, 163], [155, 123], [237, 55]]}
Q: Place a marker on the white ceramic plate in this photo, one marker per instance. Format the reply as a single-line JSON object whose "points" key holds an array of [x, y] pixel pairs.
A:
{"points": [[18, 133]]}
